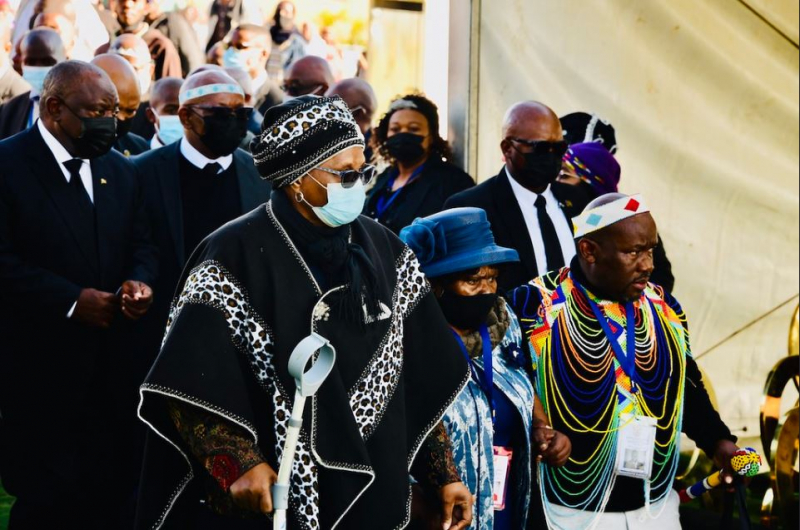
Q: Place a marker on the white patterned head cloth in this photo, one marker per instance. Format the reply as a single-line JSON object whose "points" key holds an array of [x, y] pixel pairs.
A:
{"points": [[608, 210], [209, 90], [299, 135]]}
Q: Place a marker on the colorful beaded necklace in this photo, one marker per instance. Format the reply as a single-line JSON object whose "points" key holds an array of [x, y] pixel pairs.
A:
{"points": [[585, 390]]}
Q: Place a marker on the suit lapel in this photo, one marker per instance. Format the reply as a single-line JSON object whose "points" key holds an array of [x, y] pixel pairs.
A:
{"points": [[44, 165], [106, 209], [509, 211], [21, 115], [169, 181]]}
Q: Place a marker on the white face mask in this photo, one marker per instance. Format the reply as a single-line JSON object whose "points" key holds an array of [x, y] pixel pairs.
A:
{"points": [[35, 76], [168, 128], [344, 204]]}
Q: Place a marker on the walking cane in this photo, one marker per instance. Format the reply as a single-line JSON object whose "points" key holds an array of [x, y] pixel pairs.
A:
{"points": [[308, 380]]}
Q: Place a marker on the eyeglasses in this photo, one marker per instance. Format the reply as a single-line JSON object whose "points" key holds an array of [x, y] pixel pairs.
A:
{"points": [[296, 89], [242, 113], [351, 177], [541, 147]]}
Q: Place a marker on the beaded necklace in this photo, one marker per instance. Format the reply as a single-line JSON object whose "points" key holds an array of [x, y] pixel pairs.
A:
{"points": [[585, 390]]}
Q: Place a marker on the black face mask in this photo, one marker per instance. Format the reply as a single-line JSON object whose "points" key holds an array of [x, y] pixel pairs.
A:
{"points": [[97, 136], [406, 147], [124, 127], [224, 134], [467, 312], [541, 170]]}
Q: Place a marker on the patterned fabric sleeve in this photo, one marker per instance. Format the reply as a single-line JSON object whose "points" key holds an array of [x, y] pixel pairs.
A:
{"points": [[441, 466], [225, 450]]}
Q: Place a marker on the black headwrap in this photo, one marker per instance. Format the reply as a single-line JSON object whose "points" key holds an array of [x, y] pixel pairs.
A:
{"points": [[580, 127], [300, 134]]}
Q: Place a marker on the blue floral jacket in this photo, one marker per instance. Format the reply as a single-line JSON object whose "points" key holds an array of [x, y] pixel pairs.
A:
{"points": [[469, 425]]}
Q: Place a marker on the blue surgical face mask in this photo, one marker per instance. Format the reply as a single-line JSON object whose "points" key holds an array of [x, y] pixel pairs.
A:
{"points": [[344, 204], [169, 129], [35, 76], [234, 58]]}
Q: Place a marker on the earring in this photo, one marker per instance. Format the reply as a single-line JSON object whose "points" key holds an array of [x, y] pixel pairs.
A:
{"points": [[299, 197]]}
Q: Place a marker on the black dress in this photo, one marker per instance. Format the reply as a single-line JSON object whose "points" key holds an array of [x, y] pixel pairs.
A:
{"points": [[424, 195]]}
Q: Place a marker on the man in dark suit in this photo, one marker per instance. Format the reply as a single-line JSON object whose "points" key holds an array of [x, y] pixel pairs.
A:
{"points": [[75, 262], [42, 48], [529, 211], [124, 78], [195, 185]]}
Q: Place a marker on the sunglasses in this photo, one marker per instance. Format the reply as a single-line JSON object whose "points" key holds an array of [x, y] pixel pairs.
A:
{"points": [[541, 147], [296, 89], [351, 177], [242, 113]]}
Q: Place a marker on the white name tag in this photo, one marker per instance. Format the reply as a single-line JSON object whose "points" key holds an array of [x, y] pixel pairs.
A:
{"points": [[502, 470], [636, 446]]}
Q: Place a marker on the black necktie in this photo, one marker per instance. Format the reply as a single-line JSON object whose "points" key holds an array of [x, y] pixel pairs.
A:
{"points": [[212, 169], [74, 168], [552, 246]]}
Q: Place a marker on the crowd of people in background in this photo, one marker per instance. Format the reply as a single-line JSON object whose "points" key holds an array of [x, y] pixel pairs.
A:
{"points": [[179, 200]]}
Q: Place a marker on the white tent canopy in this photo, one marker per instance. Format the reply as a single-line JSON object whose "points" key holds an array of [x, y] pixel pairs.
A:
{"points": [[704, 97]]}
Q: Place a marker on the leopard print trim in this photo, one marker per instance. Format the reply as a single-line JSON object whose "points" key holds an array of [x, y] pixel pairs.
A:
{"points": [[377, 384], [212, 285]]}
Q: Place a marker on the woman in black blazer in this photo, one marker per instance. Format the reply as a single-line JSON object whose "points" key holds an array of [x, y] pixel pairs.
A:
{"points": [[420, 179]]}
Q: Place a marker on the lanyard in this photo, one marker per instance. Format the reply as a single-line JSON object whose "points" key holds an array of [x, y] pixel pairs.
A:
{"points": [[384, 203], [485, 381], [626, 358]]}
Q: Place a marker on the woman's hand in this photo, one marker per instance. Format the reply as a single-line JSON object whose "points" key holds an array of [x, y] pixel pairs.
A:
{"points": [[456, 506]]}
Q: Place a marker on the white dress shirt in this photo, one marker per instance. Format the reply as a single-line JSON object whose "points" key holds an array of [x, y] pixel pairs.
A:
{"points": [[62, 155], [199, 160], [527, 203], [155, 143]]}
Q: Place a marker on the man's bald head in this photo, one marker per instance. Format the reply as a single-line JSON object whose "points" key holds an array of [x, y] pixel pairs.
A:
{"points": [[166, 93], [212, 77], [532, 121], [533, 145], [58, 23], [360, 97], [125, 80], [310, 75], [133, 48], [42, 47]]}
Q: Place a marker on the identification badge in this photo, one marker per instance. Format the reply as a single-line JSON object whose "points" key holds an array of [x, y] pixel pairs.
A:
{"points": [[636, 446], [502, 472]]}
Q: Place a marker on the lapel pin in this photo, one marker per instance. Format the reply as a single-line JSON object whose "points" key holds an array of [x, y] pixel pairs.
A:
{"points": [[103, 182]]}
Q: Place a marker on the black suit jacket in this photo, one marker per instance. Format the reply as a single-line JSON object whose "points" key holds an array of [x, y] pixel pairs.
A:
{"points": [[497, 198], [12, 85], [132, 145], [47, 256], [160, 170], [14, 115]]}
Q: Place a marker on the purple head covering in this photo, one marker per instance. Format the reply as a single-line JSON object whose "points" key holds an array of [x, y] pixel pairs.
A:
{"points": [[594, 165]]}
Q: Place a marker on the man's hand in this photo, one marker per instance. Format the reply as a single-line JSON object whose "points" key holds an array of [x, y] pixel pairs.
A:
{"points": [[253, 490], [137, 298], [558, 451], [96, 309], [723, 452], [456, 506]]}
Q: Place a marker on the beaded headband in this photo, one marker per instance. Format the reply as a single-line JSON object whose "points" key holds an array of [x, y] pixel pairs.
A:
{"points": [[209, 90], [606, 215]]}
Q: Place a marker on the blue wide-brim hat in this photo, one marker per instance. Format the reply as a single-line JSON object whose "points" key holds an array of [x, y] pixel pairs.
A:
{"points": [[454, 241]]}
